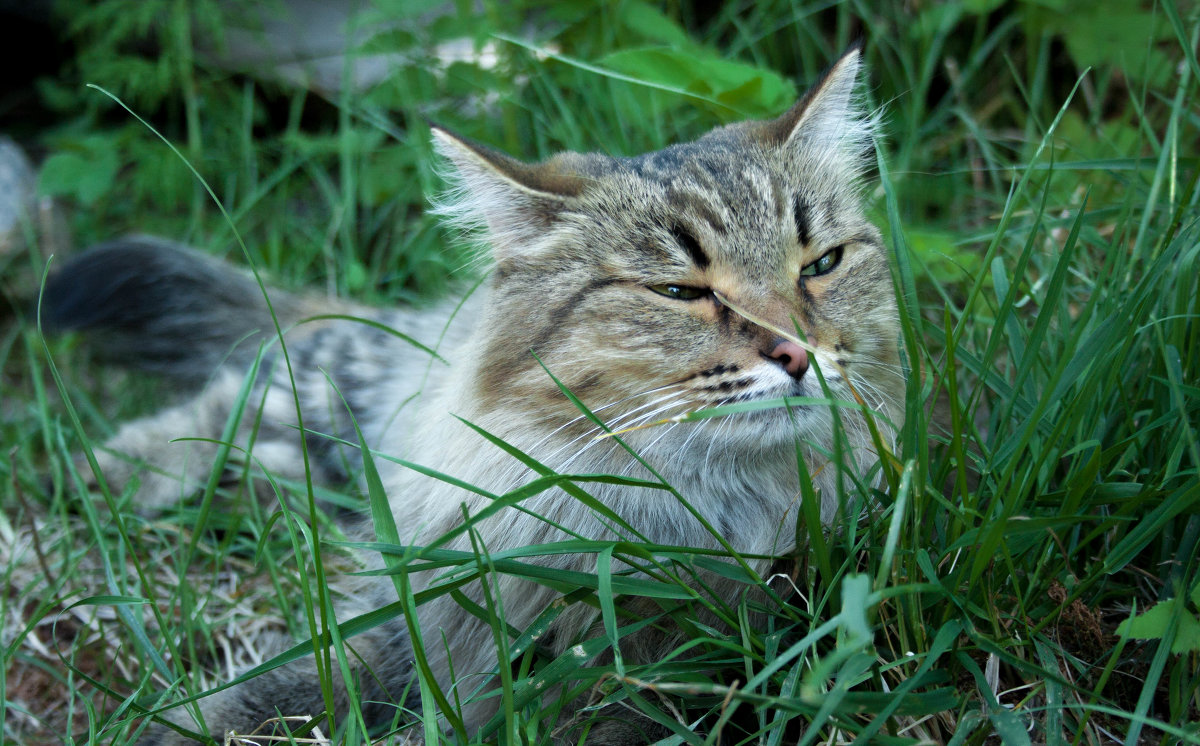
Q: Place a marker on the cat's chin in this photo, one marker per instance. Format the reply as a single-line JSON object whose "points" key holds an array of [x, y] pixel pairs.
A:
{"points": [[785, 424], [763, 429]]}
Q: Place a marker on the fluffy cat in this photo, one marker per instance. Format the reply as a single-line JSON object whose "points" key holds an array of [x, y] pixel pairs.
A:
{"points": [[649, 287]]}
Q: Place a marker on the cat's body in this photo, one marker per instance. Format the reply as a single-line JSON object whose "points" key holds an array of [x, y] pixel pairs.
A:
{"points": [[649, 287]]}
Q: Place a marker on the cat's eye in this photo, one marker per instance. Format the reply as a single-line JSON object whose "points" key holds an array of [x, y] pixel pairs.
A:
{"points": [[827, 262], [679, 292]]}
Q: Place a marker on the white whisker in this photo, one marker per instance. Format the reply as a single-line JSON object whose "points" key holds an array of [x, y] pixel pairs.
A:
{"points": [[518, 471]]}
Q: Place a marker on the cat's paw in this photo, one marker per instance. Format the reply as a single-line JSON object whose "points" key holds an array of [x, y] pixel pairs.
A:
{"points": [[157, 735], [151, 488]]}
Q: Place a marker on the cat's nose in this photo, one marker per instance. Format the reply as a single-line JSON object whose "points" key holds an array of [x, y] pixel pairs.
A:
{"points": [[791, 356]]}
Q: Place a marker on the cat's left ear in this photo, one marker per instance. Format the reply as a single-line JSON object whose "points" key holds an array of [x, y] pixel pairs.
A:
{"points": [[827, 118], [516, 202]]}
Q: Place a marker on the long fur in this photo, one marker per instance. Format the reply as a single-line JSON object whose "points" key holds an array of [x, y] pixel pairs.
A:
{"points": [[588, 251], [138, 297]]}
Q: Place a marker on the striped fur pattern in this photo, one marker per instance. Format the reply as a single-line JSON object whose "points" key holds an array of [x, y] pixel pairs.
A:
{"points": [[720, 271]]}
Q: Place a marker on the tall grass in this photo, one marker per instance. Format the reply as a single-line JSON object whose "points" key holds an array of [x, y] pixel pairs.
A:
{"points": [[1044, 224]]}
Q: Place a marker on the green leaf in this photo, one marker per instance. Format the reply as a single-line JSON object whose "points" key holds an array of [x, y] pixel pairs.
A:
{"points": [[1116, 33], [84, 171], [943, 255], [748, 90], [653, 24], [1152, 624], [856, 591]]}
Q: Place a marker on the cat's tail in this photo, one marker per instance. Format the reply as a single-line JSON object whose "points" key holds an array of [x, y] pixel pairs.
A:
{"points": [[158, 305]]}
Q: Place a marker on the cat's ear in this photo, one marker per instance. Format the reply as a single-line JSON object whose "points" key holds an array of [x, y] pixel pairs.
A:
{"points": [[827, 119], [515, 202]]}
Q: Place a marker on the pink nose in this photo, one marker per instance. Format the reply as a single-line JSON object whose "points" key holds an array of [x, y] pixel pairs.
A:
{"points": [[791, 356]]}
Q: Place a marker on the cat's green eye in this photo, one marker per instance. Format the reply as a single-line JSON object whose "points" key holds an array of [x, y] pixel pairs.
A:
{"points": [[679, 292], [827, 262]]}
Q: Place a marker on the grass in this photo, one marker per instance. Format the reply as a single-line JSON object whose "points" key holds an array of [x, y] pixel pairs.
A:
{"points": [[1047, 246]]}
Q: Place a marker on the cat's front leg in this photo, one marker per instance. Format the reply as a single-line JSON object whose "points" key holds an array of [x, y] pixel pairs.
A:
{"points": [[170, 454], [284, 699]]}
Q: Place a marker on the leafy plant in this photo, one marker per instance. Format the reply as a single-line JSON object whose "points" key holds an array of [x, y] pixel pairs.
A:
{"points": [[1169, 620]]}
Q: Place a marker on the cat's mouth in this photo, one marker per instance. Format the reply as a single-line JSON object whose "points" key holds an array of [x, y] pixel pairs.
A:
{"points": [[788, 387], [762, 400], [778, 401]]}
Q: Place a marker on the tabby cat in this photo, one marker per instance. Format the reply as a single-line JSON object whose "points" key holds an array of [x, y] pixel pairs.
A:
{"points": [[736, 268]]}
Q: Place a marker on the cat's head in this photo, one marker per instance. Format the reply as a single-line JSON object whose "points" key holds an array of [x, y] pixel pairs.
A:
{"points": [[719, 271]]}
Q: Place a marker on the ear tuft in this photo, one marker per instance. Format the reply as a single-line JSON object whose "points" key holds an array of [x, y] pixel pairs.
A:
{"points": [[514, 202], [828, 122]]}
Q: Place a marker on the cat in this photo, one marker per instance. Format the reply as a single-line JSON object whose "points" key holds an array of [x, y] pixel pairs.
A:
{"points": [[737, 268]]}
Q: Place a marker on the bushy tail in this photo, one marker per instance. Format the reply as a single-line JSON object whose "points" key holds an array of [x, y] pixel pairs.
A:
{"points": [[155, 304]]}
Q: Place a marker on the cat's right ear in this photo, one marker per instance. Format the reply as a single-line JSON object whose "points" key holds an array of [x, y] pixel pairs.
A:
{"points": [[515, 202]]}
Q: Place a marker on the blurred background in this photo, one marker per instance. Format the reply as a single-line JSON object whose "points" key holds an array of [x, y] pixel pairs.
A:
{"points": [[318, 110]]}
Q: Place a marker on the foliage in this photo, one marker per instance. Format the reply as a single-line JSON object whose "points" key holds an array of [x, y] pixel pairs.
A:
{"points": [[1047, 241], [1159, 622]]}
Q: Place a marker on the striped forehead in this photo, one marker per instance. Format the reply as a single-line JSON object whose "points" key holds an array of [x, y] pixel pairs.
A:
{"points": [[730, 196]]}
